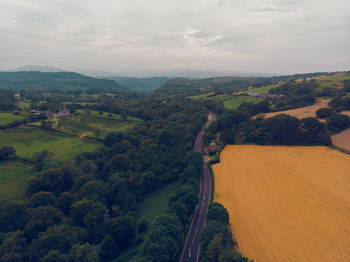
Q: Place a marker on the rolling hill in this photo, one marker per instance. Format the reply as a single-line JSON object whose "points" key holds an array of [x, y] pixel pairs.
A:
{"points": [[146, 84], [56, 81]]}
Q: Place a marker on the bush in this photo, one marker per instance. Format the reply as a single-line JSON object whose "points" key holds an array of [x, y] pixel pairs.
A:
{"points": [[324, 112]]}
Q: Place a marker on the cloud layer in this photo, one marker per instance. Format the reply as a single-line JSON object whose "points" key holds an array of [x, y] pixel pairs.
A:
{"points": [[271, 36]]}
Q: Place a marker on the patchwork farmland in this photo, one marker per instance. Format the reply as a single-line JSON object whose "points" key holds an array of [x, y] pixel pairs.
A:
{"points": [[302, 112], [286, 203]]}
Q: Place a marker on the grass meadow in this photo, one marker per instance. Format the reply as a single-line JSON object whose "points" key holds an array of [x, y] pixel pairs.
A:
{"points": [[6, 118], [13, 178], [29, 140]]}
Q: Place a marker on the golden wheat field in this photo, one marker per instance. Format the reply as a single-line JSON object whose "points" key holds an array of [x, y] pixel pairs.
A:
{"points": [[286, 204]]}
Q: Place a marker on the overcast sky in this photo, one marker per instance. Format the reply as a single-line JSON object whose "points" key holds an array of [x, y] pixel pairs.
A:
{"points": [[264, 36]]}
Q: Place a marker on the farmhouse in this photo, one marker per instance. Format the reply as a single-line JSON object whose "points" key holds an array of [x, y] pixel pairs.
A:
{"points": [[211, 148], [64, 112]]}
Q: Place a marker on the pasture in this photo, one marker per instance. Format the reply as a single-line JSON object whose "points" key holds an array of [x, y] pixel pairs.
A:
{"points": [[286, 204], [233, 102], [261, 90], [156, 204], [332, 80], [28, 140], [6, 118], [301, 112], [92, 126], [94, 113], [13, 178]]}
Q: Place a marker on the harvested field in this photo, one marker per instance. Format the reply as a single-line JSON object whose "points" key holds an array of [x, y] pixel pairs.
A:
{"points": [[303, 112], [286, 204], [342, 139]]}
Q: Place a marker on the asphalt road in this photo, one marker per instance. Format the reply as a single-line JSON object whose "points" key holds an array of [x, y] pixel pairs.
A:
{"points": [[190, 252]]}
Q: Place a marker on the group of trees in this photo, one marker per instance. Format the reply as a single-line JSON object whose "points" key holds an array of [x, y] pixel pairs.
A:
{"points": [[217, 242], [237, 126], [85, 210], [7, 153], [7, 100]]}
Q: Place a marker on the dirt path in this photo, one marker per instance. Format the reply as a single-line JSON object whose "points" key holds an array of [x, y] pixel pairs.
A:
{"points": [[287, 204]]}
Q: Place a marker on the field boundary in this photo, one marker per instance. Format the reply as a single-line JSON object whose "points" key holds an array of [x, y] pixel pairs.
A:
{"points": [[212, 182], [61, 133], [340, 149]]}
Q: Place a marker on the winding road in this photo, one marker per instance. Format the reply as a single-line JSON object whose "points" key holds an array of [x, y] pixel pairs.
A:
{"points": [[190, 252]]}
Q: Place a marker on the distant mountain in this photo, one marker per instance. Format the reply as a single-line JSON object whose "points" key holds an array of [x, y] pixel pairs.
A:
{"points": [[44, 69], [191, 74], [57, 81], [184, 86], [140, 84]]}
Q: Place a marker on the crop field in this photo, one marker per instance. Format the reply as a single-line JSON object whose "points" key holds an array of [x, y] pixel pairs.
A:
{"points": [[28, 140], [6, 118], [88, 126], [302, 112], [342, 139], [286, 204], [13, 178]]}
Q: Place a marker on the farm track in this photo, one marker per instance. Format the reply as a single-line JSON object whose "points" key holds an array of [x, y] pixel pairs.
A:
{"points": [[190, 252]]}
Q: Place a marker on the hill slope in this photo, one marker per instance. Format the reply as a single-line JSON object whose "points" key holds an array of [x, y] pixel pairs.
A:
{"points": [[190, 87], [56, 81], [147, 84]]}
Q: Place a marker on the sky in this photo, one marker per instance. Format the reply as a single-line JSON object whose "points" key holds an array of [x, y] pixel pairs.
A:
{"points": [[265, 36]]}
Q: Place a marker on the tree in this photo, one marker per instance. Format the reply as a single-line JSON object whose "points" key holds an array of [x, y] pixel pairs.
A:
{"points": [[142, 226], [85, 252], [228, 136], [13, 215], [282, 130], [148, 182], [7, 152], [338, 122], [314, 132], [218, 212], [54, 256], [122, 229], [65, 201], [46, 125], [324, 112], [42, 199], [215, 247], [108, 248]]}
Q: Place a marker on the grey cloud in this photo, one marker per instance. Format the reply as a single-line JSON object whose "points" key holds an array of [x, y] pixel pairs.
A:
{"points": [[126, 35]]}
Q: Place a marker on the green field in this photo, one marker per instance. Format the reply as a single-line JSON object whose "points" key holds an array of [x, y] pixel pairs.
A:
{"points": [[156, 204], [28, 140], [261, 90], [149, 208], [13, 178], [24, 104], [333, 80], [202, 96], [94, 113], [88, 126], [6, 118], [233, 102]]}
